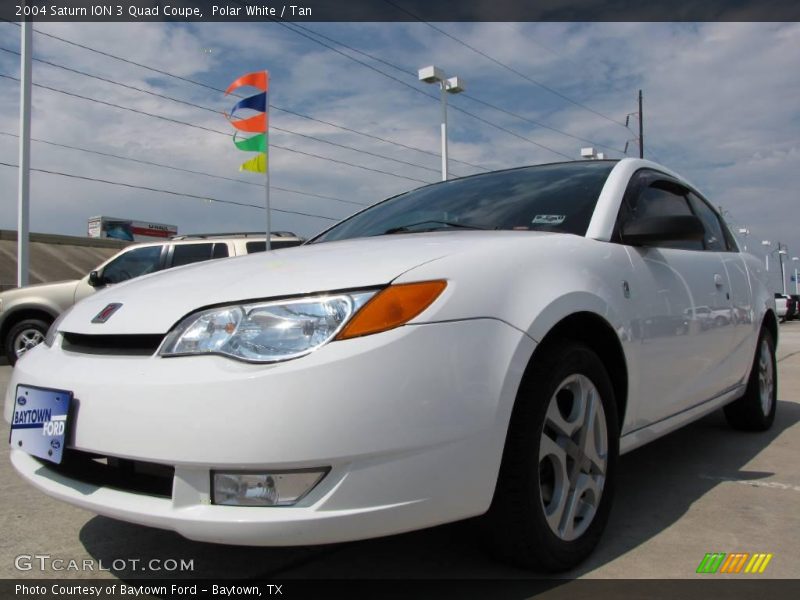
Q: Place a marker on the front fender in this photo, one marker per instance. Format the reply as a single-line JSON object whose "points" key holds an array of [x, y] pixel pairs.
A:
{"points": [[12, 313]]}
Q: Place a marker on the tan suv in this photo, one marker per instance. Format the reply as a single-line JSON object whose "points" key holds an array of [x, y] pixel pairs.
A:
{"points": [[26, 313]]}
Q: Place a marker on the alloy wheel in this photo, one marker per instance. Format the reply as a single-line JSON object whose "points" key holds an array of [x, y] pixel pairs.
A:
{"points": [[766, 381], [27, 339], [573, 457]]}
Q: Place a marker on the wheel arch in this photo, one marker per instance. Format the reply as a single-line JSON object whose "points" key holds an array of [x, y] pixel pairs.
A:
{"points": [[598, 334], [770, 321], [22, 314]]}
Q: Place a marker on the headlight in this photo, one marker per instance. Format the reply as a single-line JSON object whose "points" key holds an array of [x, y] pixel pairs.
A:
{"points": [[264, 332], [272, 331]]}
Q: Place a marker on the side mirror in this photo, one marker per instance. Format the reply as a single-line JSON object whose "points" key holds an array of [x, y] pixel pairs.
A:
{"points": [[651, 230], [95, 279]]}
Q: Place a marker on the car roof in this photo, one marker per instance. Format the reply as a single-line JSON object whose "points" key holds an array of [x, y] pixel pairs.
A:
{"points": [[220, 237]]}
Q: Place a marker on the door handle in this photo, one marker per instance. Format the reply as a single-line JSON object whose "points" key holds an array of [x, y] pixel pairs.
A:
{"points": [[718, 280]]}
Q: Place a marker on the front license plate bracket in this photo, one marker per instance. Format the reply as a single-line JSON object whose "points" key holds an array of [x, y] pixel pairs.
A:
{"points": [[40, 422]]}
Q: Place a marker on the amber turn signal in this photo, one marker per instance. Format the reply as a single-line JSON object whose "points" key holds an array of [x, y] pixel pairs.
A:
{"points": [[392, 307]]}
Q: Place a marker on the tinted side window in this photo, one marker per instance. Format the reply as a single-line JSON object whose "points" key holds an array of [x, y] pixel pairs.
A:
{"points": [[220, 250], [655, 201], [135, 262], [714, 239], [186, 254], [276, 245], [660, 199], [730, 241]]}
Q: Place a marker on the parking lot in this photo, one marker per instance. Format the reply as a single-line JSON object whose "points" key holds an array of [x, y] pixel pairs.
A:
{"points": [[702, 489]]}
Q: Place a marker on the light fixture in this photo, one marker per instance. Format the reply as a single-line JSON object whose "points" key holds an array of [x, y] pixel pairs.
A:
{"points": [[263, 489], [451, 85]]}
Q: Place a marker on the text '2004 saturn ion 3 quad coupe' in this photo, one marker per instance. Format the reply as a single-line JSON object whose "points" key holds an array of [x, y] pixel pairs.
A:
{"points": [[484, 345]]}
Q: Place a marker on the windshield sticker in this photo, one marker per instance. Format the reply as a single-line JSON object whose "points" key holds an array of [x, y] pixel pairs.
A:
{"points": [[549, 219]]}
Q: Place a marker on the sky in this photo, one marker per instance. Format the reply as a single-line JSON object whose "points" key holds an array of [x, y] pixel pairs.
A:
{"points": [[720, 108]]}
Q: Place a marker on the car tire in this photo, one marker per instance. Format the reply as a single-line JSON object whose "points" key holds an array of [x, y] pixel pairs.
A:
{"points": [[21, 337], [530, 522], [755, 411]]}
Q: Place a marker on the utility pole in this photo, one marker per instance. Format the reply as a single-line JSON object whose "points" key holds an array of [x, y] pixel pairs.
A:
{"points": [[641, 127], [23, 207]]}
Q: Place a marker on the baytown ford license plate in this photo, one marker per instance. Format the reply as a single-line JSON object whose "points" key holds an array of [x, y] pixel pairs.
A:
{"points": [[39, 425]]}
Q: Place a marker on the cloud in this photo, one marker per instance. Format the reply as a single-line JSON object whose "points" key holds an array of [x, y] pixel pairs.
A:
{"points": [[719, 108]]}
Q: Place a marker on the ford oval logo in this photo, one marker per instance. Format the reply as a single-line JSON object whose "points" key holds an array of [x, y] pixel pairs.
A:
{"points": [[105, 314], [22, 401], [55, 444]]}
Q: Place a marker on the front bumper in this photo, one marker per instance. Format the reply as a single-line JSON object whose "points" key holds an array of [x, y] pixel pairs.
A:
{"points": [[411, 423]]}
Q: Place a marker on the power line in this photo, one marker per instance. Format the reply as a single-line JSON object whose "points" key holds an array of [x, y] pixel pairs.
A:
{"points": [[539, 124], [181, 169], [344, 146], [172, 192], [373, 57], [217, 112], [375, 137], [201, 127], [126, 60], [582, 66], [409, 72], [419, 91], [222, 91], [505, 66], [367, 65], [356, 50]]}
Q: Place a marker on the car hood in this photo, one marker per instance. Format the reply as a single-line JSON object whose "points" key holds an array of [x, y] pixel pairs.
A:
{"points": [[154, 303], [37, 289]]}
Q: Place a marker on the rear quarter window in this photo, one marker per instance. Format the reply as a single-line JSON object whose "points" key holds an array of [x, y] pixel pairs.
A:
{"points": [[186, 254], [276, 245]]}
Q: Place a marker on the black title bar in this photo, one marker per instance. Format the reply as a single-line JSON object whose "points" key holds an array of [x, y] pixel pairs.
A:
{"points": [[416, 589], [399, 10]]}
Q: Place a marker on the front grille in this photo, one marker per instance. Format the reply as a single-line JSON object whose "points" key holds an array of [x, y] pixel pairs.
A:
{"points": [[122, 474], [129, 345]]}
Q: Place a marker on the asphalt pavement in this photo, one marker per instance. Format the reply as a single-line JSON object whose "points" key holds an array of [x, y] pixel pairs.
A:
{"points": [[705, 488]]}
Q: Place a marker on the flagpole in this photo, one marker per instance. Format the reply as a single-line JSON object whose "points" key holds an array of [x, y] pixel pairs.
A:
{"points": [[266, 164], [258, 124], [24, 209]]}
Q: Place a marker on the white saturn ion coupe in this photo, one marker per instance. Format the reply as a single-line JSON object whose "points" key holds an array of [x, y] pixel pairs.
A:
{"points": [[488, 345]]}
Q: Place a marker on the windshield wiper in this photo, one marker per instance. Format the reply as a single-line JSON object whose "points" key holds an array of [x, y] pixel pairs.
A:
{"points": [[411, 227]]}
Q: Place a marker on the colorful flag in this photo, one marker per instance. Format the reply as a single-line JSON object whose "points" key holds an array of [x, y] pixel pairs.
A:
{"points": [[256, 143], [258, 124], [257, 164]]}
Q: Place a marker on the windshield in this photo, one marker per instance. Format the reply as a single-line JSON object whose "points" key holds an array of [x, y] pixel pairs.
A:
{"points": [[559, 197]]}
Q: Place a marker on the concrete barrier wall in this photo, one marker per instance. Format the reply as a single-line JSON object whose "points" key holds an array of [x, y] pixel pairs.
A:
{"points": [[54, 257]]}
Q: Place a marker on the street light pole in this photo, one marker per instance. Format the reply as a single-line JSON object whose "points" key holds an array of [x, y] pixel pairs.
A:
{"points": [[443, 96], [796, 283], [744, 232], [766, 256], [781, 252], [452, 85]]}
